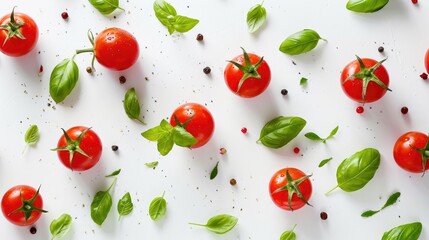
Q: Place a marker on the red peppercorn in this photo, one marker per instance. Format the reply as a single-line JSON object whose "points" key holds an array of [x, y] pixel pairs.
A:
{"points": [[404, 110], [323, 215], [244, 130], [64, 15], [414, 1], [296, 150], [360, 109], [222, 151], [424, 76]]}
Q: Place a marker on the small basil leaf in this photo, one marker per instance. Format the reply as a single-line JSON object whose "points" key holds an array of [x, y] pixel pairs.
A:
{"points": [[303, 81], [390, 201], [324, 162], [63, 79], [300, 42], [366, 6], [114, 173], [410, 231], [151, 164], [32, 135], [280, 131], [125, 205], [214, 172], [153, 134], [132, 105], [164, 12], [184, 24], [219, 224], [105, 6], [165, 144], [158, 208], [60, 227], [101, 204], [369, 213], [256, 17], [333, 132], [183, 138], [289, 235], [313, 136]]}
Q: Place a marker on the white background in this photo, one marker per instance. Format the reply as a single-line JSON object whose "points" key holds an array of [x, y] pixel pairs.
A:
{"points": [[173, 66]]}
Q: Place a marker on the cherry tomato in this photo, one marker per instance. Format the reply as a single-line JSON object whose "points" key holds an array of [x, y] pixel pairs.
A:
{"points": [[427, 61], [197, 120], [247, 75], [22, 205], [83, 144], [116, 49], [411, 152], [18, 34], [361, 72], [287, 180]]}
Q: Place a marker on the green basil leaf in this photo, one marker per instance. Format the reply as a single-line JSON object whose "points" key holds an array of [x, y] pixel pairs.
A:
{"points": [[164, 12], [153, 134], [32, 135], [366, 6], [114, 173], [105, 7], [280, 131], [313, 136], [101, 204], [158, 208], [60, 227], [369, 213], [132, 105], [303, 81], [390, 201], [63, 79], [333, 132], [151, 164], [410, 231], [256, 17], [324, 162], [183, 138], [184, 24], [125, 205], [357, 170], [219, 224], [289, 235], [300, 42], [214, 172], [165, 144], [166, 126]]}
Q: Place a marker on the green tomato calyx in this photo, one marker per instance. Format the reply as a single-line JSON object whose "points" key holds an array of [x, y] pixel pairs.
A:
{"points": [[13, 28], [249, 70], [291, 187], [28, 207], [424, 152]]}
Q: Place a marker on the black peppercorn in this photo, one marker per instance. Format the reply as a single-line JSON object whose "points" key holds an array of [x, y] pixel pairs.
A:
{"points": [[380, 49], [115, 148], [284, 92], [200, 37], [207, 70], [122, 79]]}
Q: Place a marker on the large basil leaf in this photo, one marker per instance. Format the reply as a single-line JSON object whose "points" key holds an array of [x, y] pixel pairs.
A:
{"points": [[300, 42], [164, 11], [158, 208], [105, 6], [61, 226], [101, 204], [256, 17], [280, 131], [63, 79], [132, 105], [366, 6], [410, 231]]}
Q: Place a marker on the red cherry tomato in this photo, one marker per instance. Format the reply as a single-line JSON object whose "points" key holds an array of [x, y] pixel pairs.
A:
{"points": [[410, 150], [427, 61], [89, 145], [200, 121], [280, 187], [20, 41], [22, 205], [116, 49], [353, 79], [254, 75]]}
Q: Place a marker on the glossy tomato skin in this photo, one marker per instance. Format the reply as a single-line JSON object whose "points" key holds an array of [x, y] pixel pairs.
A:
{"points": [[116, 49], [201, 126], [353, 87], [251, 87], [427, 61], [11, 201], [279, 180], [90, 144], [15, 46], [406, 156]]}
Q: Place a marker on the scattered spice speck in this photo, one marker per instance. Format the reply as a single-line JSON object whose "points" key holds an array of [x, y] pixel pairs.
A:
{"points": [[89, 70], [122, 79], [115, 148], [207, 70], [233, 182]]}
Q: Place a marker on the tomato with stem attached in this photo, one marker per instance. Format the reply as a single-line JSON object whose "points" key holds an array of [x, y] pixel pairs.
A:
{"points": [[22, 205], [18, 34], [411, 152], [79, 148], [365, 80], [247, 75], [290, 189]]}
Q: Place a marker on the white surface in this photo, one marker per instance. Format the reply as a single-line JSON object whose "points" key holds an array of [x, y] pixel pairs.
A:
{"points": [[173, 66]]}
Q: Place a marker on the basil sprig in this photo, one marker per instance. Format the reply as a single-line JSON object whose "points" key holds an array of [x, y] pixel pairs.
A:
{"points": [[324, 162], [410, 231], [300, 42], [280, 131], [132, 105], [357, 170], [101, 204], [313, 136], [166, 136], [214, 172], [125, 205], [61, 226], [32, 135], [106, 7], [158, 208], [366, 6], [219, 224], [289, 234], [256, 17], [390, 201], [168, 17], [63, 79]]}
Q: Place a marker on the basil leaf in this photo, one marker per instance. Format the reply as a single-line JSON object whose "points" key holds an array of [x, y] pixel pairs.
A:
{"points": [[168, 17], [410, 231], [105, 7], [158, 208], [300, 42], [333, 132], [280, 131], [289, 235], [63, 79], [366, 6], [125, 205], [357, 170], [101, 204], [184, 24], [256, 17], [390, 201], [214, 172], [315, 137], [183, 138], [132, 105], [60, 227], [32, 135], [114, 173], [303, 81], [165, 144], [324, 162], [151, 164], [219, 224]]}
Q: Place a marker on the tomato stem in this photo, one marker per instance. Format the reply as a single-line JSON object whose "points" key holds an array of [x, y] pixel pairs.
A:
{"points": [[79, 51]]}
